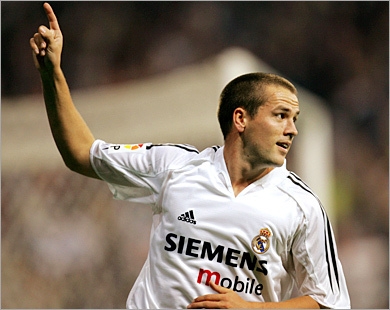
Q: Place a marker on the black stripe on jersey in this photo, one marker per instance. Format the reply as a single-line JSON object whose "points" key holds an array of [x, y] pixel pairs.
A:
{"points": [[184, 147], [216, 147], [332, 252], [328, 235]]}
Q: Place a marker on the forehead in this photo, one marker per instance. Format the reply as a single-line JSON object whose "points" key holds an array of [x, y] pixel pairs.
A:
{"points": [[279, 95]]}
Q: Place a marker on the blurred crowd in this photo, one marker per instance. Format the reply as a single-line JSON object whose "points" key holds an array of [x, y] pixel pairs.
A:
{"points": [[338, 50]]}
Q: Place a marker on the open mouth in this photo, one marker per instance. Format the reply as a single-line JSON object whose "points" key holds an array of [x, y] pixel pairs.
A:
{"points": [[283, 145]]}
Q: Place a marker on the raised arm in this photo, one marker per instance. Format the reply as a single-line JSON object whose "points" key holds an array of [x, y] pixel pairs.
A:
{"points": [[71, 134]]}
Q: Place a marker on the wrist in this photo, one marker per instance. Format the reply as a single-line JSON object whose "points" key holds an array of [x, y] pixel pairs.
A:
{"points": [[255, 305], [50, 73]]}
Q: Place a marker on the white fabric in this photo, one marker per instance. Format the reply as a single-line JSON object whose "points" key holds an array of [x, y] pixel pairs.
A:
{"points": [[202, 232]]}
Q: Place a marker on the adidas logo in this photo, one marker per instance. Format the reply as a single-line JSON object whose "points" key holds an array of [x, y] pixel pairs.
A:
{"points": [[187, 217]]}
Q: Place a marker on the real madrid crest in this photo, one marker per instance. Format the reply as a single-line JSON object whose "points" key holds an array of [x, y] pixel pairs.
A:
{"points": [[260, 243]]}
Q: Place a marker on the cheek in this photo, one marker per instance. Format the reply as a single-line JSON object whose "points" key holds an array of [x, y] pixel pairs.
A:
{"points": [[269, 130]]}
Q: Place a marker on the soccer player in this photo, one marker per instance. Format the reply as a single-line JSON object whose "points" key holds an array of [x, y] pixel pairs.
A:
{"points": [[232, 227]]}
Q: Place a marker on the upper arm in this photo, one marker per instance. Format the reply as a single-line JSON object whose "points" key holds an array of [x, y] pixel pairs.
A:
{"points": [[318, 271], [82, 163], [135, 171]]}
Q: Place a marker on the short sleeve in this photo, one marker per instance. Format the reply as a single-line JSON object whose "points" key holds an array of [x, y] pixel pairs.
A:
{"points": [[134, 172], [318, 271]]}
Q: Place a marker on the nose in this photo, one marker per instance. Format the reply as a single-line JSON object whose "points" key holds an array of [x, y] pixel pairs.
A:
{"points": [[291, 130]]}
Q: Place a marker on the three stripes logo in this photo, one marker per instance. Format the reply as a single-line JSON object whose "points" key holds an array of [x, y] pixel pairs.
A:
{"points": [[187, 217]]}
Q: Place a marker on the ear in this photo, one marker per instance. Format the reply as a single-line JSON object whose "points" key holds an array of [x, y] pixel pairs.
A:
{"points": [[240, 119]]}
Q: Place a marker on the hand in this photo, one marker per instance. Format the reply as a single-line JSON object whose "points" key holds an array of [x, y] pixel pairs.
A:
{"points": [[47, 43], [225, 299]]}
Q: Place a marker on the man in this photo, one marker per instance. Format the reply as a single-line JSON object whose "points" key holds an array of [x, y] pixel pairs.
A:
{"points": [[232, 228]]}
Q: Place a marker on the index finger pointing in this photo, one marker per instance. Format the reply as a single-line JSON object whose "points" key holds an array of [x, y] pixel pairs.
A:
{"points": [[53, 23]]}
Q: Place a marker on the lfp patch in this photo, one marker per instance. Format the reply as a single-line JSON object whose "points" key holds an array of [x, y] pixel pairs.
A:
{"points": [[120, 148], [260, 243]]}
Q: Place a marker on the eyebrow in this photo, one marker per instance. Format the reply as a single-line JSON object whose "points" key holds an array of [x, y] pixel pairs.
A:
{"points": [[287, 110]]}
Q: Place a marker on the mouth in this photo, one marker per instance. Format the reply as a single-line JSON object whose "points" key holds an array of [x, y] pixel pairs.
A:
{"points": [[283, 145]]}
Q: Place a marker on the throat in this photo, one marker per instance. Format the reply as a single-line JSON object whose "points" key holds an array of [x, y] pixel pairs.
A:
{"points": [[237, 189], [243, 182]]}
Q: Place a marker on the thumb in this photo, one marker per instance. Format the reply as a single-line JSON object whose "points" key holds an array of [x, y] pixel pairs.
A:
{"points": [[219, 289]]}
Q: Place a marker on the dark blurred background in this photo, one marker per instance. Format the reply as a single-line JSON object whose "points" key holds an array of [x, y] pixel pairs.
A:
{"points": [[338, 50]]}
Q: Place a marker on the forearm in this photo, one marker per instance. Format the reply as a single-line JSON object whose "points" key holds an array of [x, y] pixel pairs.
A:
{"points": [[70, 132], [229, 299], [303, 302]]}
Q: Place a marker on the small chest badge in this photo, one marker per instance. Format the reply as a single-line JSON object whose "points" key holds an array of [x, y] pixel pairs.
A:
{"points": [[260, 243]]}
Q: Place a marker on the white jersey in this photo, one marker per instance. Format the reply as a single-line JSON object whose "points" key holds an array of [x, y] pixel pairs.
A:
{"points": [[273, 234]]}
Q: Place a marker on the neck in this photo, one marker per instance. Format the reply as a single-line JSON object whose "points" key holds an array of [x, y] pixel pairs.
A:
{"points": [[242, 172]]}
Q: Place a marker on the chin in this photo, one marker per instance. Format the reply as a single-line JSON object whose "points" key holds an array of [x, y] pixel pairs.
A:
{"points": [[277, 162], [279, 165]]}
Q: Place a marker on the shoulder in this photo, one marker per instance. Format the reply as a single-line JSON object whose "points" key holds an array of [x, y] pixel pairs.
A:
{"points": [[145, 157], [176, 153], [183, 154], [302, 194], [172, 155]]}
